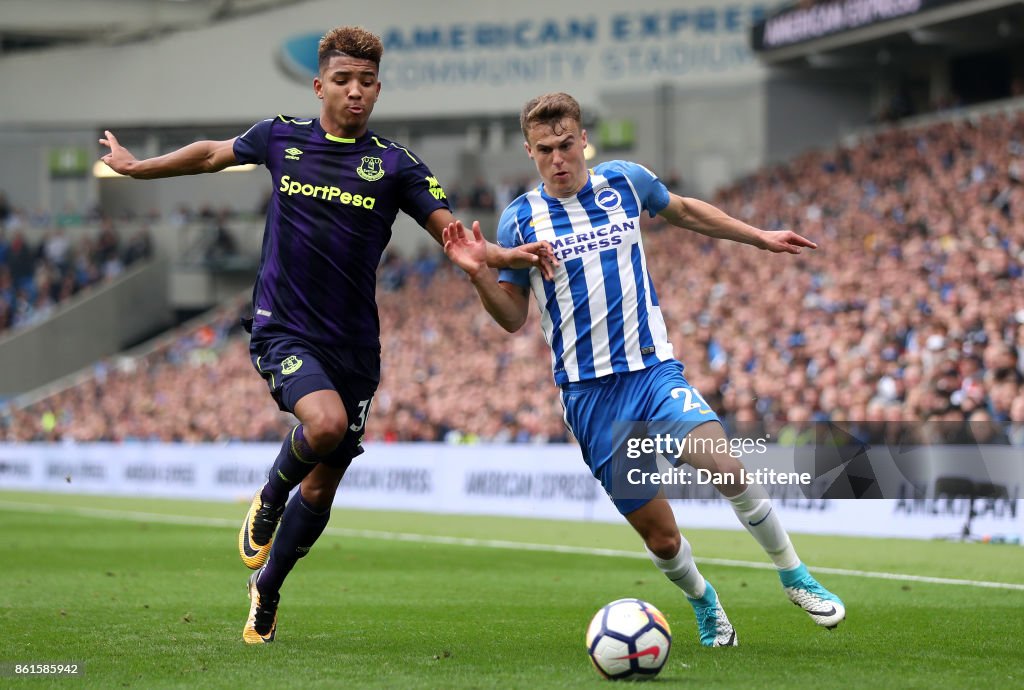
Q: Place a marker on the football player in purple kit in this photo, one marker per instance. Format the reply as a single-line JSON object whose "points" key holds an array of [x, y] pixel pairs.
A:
{"points": [[338, 188]]}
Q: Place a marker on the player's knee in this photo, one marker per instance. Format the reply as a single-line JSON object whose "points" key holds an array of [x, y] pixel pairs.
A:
{"points": [[664, 544], [324, 432]]}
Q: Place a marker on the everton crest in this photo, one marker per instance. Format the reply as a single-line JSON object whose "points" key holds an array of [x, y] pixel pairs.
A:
{"points": [[371, 169]]}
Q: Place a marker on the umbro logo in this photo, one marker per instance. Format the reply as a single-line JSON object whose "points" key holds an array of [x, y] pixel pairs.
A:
{"points": [[292, 154]]}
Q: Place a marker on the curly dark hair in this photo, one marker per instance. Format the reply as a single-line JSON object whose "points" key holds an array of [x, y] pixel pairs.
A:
{"points": [[549, 109], [353, 41]]}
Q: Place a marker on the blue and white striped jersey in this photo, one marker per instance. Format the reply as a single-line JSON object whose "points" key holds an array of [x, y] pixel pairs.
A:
{"points": [[600, 315]]}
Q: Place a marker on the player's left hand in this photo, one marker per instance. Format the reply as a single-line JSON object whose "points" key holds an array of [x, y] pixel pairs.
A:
{"points": [[784, 241], [468, 251]]}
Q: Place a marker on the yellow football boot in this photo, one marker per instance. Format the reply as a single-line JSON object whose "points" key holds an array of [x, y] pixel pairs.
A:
{"points": [[257, 533], [261, 626]]}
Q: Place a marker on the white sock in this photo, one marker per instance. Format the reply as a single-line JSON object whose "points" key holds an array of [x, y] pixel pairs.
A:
{"points": [[754, 509], [681, 570]]}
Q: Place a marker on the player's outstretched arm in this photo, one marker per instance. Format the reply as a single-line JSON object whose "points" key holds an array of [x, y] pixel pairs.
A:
{"points": [[199, 157], [701, 217], [537, 254], [506, 303]]}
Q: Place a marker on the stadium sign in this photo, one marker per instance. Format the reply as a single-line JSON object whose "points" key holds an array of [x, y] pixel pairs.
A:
{"points": [[468, 59], [800, 24], [549, 481], [653, 41]]}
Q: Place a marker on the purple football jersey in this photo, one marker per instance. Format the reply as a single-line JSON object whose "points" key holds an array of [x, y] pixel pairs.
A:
{"points": [[329, 219]]}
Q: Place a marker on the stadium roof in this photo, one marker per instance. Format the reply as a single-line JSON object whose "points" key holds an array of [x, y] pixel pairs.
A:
{"points": [[34, 24], [826, 33]]}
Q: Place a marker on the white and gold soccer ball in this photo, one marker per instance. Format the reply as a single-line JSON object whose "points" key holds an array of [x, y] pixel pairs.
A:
{"points": [[628, 638]]}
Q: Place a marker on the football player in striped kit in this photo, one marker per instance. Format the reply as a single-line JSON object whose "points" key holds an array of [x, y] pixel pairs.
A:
{"points": [[610, 352]]}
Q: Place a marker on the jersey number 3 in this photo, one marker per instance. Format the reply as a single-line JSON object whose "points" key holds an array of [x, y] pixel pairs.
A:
{"points": [[364, 409]]}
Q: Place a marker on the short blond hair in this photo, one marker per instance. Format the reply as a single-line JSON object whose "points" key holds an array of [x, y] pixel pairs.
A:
{"points": [[549, 109], [354, 41]]}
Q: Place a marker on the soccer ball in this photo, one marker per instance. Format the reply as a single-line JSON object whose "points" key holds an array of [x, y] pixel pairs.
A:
{"points": [[628, 638]]}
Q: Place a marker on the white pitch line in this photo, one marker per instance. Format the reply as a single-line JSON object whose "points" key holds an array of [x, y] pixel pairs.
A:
{"points": [[137, 516]]}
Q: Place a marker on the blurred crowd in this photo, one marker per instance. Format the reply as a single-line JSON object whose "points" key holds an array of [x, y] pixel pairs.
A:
{"points": [[194, 386], [910, 310], [71, 256]]}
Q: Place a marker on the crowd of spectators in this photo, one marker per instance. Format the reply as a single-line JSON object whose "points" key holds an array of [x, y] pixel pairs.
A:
{"points": [[911, 310], [71, 255], [196, 385], [913, 307]]}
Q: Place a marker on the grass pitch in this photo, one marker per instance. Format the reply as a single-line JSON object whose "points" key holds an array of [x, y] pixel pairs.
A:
{"points": [[150, 594]]}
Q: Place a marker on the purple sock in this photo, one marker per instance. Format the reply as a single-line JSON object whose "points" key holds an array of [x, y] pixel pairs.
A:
{"points": [[293, 463], [300, 527]]}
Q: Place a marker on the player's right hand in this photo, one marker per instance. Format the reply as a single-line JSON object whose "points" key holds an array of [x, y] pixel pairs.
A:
{"points": [[784, 241], [546, 259], [120, 159]]}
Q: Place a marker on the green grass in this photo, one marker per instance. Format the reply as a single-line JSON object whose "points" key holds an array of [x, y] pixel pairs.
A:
{"points": [[147, 604]]}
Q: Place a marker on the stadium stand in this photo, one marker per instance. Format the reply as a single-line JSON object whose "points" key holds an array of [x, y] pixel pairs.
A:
{"points": [[172, 390], [73, 253], [910, 310]]}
